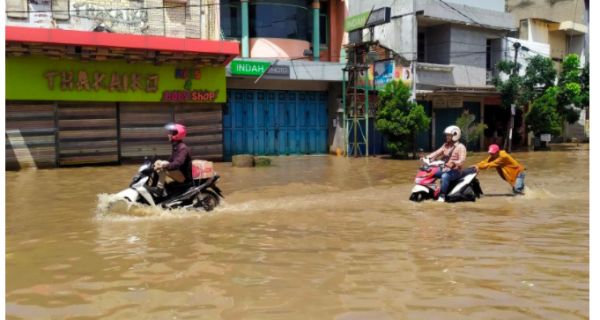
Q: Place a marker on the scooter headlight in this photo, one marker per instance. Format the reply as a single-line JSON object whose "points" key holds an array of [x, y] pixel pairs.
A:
{"points": [[135, 179]]}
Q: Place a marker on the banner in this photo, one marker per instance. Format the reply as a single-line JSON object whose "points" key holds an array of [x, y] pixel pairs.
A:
{"points": [[40, 78]]}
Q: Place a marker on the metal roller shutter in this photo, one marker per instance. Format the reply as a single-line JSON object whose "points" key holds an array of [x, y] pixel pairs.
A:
{"points": [[204, 129], [141, 130], [87, 133], [30, 135]]}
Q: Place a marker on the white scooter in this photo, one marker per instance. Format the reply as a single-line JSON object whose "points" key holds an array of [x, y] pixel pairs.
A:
{"points": [[466, 188], [201, 193]]}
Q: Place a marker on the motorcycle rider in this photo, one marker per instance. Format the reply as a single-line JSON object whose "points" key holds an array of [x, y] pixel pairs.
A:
{"points": [[179, 166], [454, 154], [508, 168]]}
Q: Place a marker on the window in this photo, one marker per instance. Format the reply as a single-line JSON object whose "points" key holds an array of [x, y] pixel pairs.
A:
{"points": [[488, 55], [323, 24], [269, 20], [287, 19], [524, 29], [421, 47], [231, 19]]}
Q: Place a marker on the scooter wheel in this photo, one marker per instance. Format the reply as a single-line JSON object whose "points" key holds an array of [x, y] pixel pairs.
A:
{"points": [[207, 200], [417, 197]]}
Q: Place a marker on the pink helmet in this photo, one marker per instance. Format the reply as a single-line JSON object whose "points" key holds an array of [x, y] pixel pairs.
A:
{"points": [[493, 148], [177, 130]]}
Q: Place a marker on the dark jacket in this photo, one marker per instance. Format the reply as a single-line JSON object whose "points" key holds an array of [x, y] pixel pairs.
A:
{"points": [[181, 159]]}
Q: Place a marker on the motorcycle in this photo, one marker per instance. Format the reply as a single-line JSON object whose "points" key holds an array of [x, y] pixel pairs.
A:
{"points": [[200, 194], [466, 188]]}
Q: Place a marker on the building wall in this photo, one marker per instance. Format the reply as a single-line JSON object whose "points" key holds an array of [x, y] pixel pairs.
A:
{"points": [[538, 31], [277, 48], [337, 14], [557, 11], [558, 44], [396, 35], [495, 5], [196, 19], [468, 47]]}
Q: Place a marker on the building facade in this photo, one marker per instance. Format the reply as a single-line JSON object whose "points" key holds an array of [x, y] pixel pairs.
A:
{"points": [[298, 46], [563, 27], [91, 82], [451, 48]]}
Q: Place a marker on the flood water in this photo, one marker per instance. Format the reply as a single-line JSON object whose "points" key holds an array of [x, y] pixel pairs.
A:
{"points": [[308, 238]]}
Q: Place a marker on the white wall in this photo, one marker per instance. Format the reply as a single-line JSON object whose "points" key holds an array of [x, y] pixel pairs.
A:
{"points": [[534, 48], [85, 15], [495, 5], [538, 31]]}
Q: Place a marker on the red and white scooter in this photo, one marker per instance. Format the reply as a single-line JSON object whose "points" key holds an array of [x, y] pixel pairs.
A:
{"points": [[466, 188]]}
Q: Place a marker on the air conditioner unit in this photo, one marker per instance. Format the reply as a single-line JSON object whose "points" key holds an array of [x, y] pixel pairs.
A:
{"points": [[489, 76]]}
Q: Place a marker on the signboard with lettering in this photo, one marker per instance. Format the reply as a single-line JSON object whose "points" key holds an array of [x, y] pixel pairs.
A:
{"points": [[455, 102], [439, 102], [356, 22], [249, 68], [39, 78], [379, 16], [277, 71]]}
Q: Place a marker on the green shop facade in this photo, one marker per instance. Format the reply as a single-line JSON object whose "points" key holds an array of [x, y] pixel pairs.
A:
{"points": [[74, 111]]}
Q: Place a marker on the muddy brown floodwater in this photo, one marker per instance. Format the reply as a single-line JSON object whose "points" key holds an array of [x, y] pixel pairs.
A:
{"points": [[308, 238]]}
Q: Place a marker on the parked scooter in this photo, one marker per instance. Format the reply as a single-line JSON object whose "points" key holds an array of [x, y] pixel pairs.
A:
{"points": [[200, 194], [466, 188]]}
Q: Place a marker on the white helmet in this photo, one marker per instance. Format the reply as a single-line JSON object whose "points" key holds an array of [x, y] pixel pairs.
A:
{"points": [[454, 131]]}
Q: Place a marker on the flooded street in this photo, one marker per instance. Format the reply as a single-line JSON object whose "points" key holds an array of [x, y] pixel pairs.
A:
{"points": [[308, 238]]}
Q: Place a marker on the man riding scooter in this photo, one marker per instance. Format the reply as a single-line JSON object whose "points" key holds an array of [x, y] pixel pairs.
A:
{"points": [[179, 166], [454, 154]]}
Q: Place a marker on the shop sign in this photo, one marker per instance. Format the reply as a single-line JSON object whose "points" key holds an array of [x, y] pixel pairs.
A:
{"points": [[439, 102], [379, 16], [278, 71], [545, 137], [356, 22], [40, 78], [249, 68], [455, 102]]}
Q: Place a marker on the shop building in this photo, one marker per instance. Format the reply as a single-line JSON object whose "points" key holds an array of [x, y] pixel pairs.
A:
{"points": [[80, 97], [282, 92]]}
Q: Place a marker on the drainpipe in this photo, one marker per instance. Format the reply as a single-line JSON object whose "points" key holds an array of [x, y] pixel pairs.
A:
{"points": [[245, 30], [316, 31]]}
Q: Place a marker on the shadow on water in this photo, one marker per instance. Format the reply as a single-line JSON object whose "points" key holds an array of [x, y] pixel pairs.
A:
{"points": [[488, 195]]}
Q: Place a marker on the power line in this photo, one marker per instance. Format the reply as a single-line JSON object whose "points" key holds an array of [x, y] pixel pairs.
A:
{"points": [[502, 36]]}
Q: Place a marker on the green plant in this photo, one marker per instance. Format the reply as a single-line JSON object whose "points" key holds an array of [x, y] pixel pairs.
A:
{"points": [[539, 76], [543, 116], [471, 131], [399, 119], [509, 88], [571, 97]]}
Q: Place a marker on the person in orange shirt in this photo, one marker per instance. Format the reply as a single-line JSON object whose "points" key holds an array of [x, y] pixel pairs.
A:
{"points": [[508, 168]]}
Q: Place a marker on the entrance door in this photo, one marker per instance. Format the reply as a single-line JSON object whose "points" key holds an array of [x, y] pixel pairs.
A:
{"points": [[443, 119], [447, 117], [275, 123], [87, 133]]}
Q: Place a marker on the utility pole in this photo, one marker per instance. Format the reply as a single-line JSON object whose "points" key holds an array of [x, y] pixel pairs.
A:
{"points": [[511, 123]]}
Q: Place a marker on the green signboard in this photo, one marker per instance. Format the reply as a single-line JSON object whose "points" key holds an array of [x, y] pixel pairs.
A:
{"points": [[356, 22], [249, 68], [40, 78]]}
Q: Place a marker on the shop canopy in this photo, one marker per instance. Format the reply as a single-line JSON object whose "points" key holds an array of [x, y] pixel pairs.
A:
{"points": [[88, 45]]}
